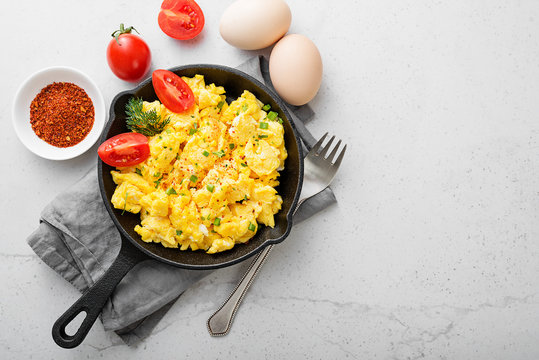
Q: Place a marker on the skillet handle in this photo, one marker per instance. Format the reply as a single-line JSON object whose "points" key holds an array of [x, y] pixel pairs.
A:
{"points": [[94, 299]]}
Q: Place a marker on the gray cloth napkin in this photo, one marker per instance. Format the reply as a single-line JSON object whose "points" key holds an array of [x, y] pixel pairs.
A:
{"points": [[77, 239]]}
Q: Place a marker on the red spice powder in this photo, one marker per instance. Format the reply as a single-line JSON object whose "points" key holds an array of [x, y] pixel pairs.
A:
{"points": [[62, 114]]}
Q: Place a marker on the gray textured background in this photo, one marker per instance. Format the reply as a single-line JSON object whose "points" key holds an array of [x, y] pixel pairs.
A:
{"points": [[432, 249]]}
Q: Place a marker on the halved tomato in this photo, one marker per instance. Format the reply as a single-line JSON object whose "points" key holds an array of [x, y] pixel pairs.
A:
{"points": [[125, 149], [181, 19], [173, 92]]}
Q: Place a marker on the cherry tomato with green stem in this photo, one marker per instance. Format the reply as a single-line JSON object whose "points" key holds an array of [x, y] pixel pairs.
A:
{"points": [[128, 55]]}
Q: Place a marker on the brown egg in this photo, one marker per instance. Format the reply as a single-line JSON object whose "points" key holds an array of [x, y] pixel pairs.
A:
{"points": [[295, 67]]}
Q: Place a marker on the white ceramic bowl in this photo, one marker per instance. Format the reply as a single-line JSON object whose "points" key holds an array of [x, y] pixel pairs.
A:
{"points": [[28, 91]]}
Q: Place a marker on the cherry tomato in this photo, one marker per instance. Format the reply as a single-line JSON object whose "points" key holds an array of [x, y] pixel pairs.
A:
{"points": [[129, 56], [125, 149], [173, 92], [181, 19]]}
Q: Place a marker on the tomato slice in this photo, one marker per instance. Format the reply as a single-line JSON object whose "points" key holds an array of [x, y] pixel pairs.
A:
{"points": [[181, 19], [125, 149], [173, 92]]}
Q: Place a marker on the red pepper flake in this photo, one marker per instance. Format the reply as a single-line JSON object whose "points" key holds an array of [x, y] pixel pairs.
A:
{"points": [[62, 114]]}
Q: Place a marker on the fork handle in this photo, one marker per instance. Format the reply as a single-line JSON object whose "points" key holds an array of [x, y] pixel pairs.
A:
{"points": [[221, 320], [219, 323]]}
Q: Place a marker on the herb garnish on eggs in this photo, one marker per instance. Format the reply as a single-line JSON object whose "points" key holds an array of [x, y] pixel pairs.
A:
{"points": [[147, 123]]}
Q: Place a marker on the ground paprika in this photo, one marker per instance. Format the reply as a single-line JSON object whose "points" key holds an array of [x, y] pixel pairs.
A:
{"points": [[62, 114]]}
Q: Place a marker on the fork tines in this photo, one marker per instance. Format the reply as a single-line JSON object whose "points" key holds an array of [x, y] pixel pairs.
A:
{"points": [[322, 151]]}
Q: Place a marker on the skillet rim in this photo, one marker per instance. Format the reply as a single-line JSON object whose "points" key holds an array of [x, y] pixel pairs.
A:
{"points": [[266, 242]]}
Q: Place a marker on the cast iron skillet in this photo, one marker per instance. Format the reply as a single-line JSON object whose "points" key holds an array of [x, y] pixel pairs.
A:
{"points": [[134, 250]]}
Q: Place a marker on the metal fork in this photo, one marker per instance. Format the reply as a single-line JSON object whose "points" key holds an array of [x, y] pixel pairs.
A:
{"points": [[319, 171]]}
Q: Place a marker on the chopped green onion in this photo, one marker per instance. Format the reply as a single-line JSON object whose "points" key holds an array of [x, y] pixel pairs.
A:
{"points": [[171, 191], [244, 164], [210, 187], [221, 103], [262, 136], [179, 232], [137, 170], [252, 227], [193, 116], [244, 107], [205, 153], [272, 115], [195, 125], [263, 125], [279, 120], [219, 153], [237, 113], [157, 174], [231, 146], [266, 107], [192, 131], [217, 222], [193, 178], [125, 202]]}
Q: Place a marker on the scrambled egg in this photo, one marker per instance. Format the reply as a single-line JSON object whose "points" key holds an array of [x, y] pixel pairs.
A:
{"points": [[211, 176]]}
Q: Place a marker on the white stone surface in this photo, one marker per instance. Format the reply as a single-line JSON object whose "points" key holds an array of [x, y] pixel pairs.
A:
{"points": [[432, 250]]}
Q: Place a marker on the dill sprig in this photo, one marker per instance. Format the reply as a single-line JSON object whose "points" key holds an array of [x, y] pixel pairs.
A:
{"points": [[145, 122]]}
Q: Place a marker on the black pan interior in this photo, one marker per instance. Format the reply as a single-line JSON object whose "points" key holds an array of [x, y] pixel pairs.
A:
{"points": [[234, 82]]}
